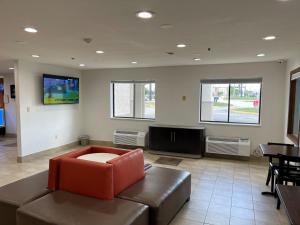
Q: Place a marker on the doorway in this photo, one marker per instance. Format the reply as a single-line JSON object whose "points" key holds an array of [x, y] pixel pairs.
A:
{"points": [[8, 140]]}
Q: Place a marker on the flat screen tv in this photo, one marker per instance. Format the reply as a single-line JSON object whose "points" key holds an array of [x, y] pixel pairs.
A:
{"points": [[60, 90]]}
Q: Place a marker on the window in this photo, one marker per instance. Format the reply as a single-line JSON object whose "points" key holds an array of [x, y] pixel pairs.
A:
{"points": [[133, 99], [231, 101]]}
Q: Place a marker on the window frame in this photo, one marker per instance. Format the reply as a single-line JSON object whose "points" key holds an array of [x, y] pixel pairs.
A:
{"points": [[134, 95], [294, 76], [229, 82]]}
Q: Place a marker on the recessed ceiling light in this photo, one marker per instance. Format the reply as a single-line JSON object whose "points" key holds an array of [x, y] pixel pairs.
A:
{"points": [[284, 0], [11, 68], [145, 14], [260, 55], [99, 52], [269, 38], [181, 45], [81, 65], [35, 56], [196, 59], [30, 30], [134, 62]]}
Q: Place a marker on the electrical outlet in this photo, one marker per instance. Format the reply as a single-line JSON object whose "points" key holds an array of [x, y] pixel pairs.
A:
{"points": [[55, 136], [28, 109]]}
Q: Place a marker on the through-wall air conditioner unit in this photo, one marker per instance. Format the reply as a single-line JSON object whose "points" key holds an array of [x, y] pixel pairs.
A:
{"points": [[228, 146], [133, 138]]}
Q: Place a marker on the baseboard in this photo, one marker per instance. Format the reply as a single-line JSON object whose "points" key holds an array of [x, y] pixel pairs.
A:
{"points": [[251, 158], [182, 155], [10, 135], [221, 156], [68, 146], [27, 158], [111, 144], [102, 143]]}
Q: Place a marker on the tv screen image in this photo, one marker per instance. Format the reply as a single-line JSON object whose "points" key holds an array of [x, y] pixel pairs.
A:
{"points": [[60, 90]]}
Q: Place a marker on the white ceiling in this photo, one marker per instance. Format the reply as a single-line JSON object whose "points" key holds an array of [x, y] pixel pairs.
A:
{"points": [[233, 29]]}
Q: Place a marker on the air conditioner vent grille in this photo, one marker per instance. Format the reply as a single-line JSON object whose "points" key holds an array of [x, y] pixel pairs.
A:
{"points": [[228, 146], [133, 138], [125, 140], [228, 149]]}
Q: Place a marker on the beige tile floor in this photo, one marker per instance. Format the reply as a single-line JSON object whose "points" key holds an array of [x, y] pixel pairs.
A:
{"points": [[223, 191]]}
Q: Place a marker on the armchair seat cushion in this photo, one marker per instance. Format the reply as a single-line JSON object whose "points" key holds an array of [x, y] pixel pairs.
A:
{"points": [[98, 157]]}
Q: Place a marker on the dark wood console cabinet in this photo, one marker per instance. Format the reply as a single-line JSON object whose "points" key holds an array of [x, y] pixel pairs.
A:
{"points": [[189, 141]]}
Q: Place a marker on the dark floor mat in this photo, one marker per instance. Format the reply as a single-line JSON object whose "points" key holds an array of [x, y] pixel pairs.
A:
{"points": [[168, 161]]}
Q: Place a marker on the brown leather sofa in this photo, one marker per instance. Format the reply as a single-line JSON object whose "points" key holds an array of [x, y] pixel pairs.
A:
{"points": [[155, 200], [164, 190], [19, 193], [66, 208]]}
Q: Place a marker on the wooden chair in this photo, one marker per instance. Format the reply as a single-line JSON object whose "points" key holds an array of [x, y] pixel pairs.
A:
{"points": [[273, 165], [288, 172]]}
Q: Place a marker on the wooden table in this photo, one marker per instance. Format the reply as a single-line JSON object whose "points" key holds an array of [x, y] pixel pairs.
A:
{"points": [[290, 199], [273, 151]]}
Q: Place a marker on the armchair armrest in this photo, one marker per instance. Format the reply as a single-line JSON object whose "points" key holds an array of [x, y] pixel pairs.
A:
{"points": [[54, 166], [128, 169]]}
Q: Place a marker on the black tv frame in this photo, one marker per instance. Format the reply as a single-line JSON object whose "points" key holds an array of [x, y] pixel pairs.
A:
{"points": [[62, 78]]}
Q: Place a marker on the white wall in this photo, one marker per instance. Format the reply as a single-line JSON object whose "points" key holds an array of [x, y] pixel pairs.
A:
{"points": [[174, 82], [292, 63], [42, 127], [10, 106]]}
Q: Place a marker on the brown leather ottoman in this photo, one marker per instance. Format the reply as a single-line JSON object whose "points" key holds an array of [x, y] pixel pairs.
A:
{"points": [[164, 190], [16, 194], [64, 208]]}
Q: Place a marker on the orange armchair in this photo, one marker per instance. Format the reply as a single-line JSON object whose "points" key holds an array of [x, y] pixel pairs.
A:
{"points": [[94, 179]]}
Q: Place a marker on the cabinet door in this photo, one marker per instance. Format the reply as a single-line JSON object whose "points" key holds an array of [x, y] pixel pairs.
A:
{"points": [[187, 141], [160, 138]]}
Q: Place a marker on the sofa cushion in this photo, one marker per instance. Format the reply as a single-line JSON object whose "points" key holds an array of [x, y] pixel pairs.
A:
{"points": [[18, 193], [66, 208], [164, 190]]}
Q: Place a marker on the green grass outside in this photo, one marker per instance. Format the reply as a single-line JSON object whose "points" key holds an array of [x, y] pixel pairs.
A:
{"points": [[246, 110], [242, 98], [238, 110]]}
